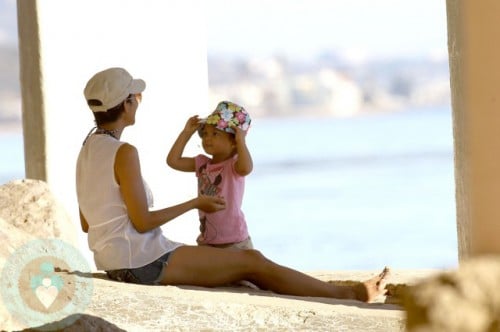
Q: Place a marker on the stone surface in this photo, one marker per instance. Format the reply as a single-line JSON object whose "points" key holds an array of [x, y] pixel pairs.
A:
{"points": [[28, 211], [467, 299], [153, 308], [29, 205], [118, 306]]}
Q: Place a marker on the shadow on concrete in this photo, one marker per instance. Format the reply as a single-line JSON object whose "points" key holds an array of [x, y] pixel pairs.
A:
{"points": [[96, 275], [393, 300], [252, 292]]}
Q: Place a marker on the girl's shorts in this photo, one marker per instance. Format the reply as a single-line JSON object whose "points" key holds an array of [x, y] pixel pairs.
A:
{"points": [[149, 274], [245, 244]]}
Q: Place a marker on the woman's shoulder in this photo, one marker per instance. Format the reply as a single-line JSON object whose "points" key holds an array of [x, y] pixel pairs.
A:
{"points": [[127, 147], [126, 152]]}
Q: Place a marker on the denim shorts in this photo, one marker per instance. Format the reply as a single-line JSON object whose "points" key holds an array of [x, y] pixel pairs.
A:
{"points": [[149, 274]]}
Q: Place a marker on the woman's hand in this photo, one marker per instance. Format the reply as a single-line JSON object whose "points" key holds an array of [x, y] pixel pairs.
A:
{"points": [[210, 203]]}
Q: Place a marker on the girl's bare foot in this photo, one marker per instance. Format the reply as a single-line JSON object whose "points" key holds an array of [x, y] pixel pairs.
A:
{"points": [[369, 290]]}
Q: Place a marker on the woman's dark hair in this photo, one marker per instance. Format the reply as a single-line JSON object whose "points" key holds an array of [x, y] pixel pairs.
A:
{"points": [[110, 115]]}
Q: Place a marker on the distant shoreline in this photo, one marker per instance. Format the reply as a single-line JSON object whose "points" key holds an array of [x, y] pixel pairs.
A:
{"points": [[11, 127]]}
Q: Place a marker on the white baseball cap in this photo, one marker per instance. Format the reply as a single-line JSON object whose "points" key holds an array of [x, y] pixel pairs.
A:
{"points": [[110, 87]]}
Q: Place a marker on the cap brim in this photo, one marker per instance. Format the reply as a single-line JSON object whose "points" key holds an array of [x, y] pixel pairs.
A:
{"points": [[137, 86]]}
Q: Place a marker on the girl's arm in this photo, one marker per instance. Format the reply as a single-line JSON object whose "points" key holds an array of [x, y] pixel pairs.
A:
{"points": [[244, 163], [128, 175], [174, 157]]}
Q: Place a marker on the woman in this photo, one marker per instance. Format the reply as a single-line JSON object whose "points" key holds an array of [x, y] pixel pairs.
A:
{"points": [[125, 235]]}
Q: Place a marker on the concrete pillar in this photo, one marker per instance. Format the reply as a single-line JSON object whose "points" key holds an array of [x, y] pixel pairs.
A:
{"points": [[474, 54], [31, 91], [63, 43]]}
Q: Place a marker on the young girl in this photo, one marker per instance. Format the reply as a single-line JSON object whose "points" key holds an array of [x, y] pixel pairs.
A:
{"points": [[223, 138]]}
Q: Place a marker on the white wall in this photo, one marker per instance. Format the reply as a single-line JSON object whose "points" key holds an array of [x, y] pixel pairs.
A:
{"points": [[162, 42]]}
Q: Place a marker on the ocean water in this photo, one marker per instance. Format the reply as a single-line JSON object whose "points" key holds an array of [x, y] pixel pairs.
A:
{"points": [[351, 193], [355, 193]]}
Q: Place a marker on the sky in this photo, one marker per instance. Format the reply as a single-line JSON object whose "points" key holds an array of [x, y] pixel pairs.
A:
{"points": [[357, 28], [302, 28], [8, 22]]}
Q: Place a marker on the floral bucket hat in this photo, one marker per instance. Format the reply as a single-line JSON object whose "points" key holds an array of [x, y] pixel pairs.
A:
{"points": [[228, 115]]}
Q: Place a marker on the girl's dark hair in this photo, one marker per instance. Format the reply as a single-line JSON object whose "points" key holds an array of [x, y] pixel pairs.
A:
{"points": [[202, 127], [110, 115], [200, 130]]}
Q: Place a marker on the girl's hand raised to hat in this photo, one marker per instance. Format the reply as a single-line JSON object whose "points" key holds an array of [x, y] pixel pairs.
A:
{"points": [[192, 124], [239, 135], [210, 203]]}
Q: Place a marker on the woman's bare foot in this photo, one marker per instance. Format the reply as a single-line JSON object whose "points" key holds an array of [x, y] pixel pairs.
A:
{"points": [[369, 290]]}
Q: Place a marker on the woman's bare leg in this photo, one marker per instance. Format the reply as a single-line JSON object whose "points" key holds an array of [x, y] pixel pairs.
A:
{"points": [[209, 267]]}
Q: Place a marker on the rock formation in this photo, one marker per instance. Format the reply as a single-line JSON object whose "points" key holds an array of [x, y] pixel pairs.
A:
{"points": [[30, 207], [28, 211], [463, 300]]}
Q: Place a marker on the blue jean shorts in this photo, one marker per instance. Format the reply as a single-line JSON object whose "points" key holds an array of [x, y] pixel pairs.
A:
{"points": [[149, 274]]}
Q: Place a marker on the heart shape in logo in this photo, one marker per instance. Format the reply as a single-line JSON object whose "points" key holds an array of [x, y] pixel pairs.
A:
{"points": [[46, 292]]}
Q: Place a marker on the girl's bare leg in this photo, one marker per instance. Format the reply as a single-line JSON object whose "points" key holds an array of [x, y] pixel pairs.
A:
{"points": [[209, 267]]}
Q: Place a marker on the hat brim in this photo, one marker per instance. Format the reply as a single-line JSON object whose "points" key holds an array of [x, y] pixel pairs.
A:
{"points": [[137, 86]]}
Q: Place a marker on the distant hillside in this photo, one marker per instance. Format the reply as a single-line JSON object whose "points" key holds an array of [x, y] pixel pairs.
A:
{"points": [[10, 87], [9, 69], [329, 84]]}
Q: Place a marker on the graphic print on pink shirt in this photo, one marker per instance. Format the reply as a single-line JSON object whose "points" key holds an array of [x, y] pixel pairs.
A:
{"points": [[208, 184]]}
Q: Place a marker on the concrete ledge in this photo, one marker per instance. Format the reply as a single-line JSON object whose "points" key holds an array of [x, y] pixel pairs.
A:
{"points": [[118, 306]]}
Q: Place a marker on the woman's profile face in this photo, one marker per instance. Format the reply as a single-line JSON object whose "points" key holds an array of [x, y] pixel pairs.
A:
{"points": [[132, 102]]}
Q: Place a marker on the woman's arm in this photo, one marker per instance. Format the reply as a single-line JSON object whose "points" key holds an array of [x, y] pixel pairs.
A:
{"points": [[175, 158], [244, 163], [128, 175]]}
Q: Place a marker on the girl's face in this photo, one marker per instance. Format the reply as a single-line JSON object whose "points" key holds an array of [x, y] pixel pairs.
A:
{"points": [[217, 142]]}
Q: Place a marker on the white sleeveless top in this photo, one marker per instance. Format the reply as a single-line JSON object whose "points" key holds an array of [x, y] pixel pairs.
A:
{"points": [[115, 242]]}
